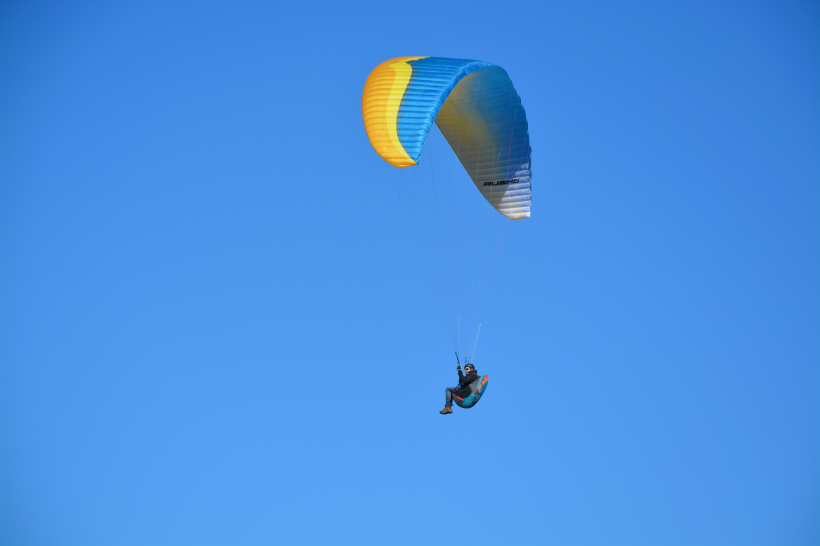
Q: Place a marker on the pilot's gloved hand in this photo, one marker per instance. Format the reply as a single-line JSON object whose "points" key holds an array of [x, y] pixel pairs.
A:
{"points": [[459, 367]]}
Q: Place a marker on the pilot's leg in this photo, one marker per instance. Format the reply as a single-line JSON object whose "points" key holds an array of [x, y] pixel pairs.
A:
{"points": [[448, 403]]}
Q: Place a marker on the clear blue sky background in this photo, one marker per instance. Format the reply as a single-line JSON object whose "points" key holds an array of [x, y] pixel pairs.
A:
{"points": [[216, 330]]}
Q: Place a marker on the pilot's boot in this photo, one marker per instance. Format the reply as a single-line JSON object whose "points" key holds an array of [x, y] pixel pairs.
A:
{"points": [[447, 409]]}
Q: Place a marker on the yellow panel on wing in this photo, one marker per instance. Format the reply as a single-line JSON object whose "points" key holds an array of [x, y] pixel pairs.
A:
{"points": [[381, 101]]}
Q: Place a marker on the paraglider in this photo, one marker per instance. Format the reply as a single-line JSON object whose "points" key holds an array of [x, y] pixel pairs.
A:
{"points": [[471, 387], [478, 112]]}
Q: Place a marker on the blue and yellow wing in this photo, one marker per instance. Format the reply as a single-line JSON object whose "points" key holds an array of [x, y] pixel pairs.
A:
{"points": [[474, 105]]}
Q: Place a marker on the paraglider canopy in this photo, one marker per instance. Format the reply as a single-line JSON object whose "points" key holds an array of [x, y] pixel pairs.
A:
{"points": [[476, 108]]}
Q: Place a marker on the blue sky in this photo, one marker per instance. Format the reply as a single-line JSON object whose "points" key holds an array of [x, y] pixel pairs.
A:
{"points": [[216, 328]]}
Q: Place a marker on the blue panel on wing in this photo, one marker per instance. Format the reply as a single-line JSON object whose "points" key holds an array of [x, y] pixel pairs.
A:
{"points": [[431, 83]]}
